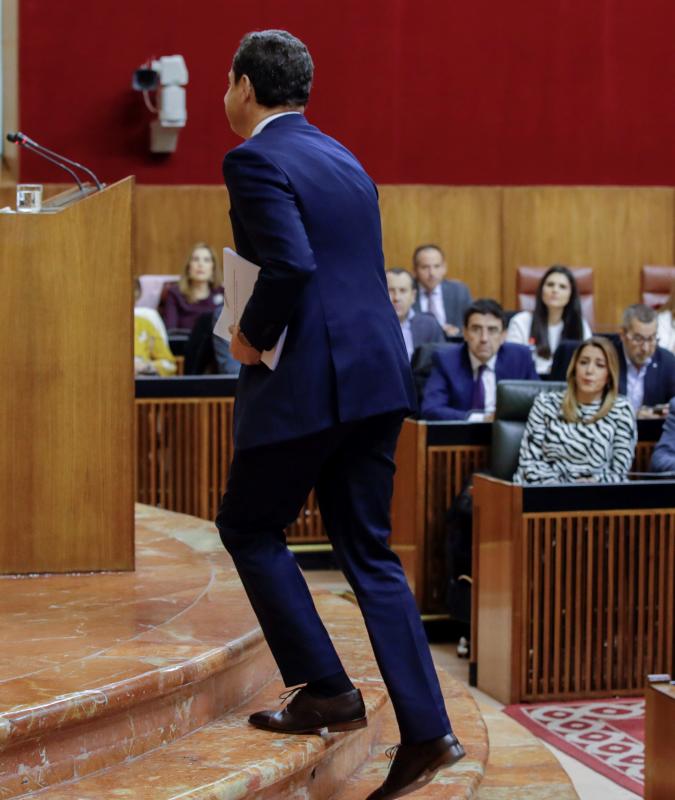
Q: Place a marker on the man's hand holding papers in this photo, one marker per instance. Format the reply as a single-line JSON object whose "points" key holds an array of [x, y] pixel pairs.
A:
{"points": [[241, 350], [239, 277]]}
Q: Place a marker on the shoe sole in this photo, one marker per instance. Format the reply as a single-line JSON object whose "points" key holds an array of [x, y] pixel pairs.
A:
{"points": [[425, 777], [333, 727]]}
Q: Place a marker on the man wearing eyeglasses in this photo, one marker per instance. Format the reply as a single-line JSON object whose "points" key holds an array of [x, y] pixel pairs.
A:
{"points": [[647, 374]]}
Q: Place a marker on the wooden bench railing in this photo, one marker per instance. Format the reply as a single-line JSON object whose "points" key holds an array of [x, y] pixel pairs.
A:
{"points": [[184, 448], [183, 452]]}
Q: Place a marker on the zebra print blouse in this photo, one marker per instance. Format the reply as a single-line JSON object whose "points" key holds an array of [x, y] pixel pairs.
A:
{"points": [[555, 451]]}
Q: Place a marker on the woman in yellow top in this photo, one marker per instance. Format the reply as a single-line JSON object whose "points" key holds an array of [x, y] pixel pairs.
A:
{"points": [[151, 353]]}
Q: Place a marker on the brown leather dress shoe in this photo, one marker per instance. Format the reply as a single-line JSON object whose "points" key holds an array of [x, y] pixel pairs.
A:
{"points": [[415, 765], [307, 714]]}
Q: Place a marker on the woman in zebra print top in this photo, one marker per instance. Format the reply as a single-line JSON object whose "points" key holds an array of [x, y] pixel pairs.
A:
{"points": [[586, 433]]}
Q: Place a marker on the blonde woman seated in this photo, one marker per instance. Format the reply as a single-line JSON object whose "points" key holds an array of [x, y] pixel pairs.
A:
{"points": [[199, 290], [151, 352], [586, 433]]}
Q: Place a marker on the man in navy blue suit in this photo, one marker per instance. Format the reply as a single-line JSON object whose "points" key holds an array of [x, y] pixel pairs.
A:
{"points": [[463, 379], [663, 458], [328, 417], [646, 371], [417, 327]]}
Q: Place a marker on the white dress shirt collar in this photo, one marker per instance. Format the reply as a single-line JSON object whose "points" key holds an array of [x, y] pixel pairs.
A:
{"points": [[489, 364], [267, 120], [406, 329]]}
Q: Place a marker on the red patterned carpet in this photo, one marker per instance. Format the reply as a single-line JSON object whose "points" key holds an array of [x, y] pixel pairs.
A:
{"points": [[606, 735]]}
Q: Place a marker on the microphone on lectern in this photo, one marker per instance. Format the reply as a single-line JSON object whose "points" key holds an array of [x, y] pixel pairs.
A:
{"points": [[50, 155], [15, 137]]}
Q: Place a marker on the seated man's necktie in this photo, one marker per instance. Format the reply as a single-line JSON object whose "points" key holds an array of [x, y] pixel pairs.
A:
{"points": [[478, 396]]}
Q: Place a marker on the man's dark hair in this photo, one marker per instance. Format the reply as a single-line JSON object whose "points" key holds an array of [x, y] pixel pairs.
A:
{"points": [[278, 65], [485, 306], [401, 271], [421, 247]]}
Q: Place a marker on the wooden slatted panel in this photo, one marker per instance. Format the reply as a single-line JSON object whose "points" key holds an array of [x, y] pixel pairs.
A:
{"points": [[599, 612], [448, 468], [183, 452]]}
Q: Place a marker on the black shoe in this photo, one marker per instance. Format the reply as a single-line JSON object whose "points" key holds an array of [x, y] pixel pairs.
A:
{"points": [[415, 765], [308, 714]]}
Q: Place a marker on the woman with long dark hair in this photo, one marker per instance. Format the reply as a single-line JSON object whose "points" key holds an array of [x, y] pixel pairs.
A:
{"points": [[557, 315], [586, 433]]}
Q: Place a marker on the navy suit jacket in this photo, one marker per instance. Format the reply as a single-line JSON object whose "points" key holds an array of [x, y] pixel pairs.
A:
{"points": [[659, 377], [305, 211], [425, 329], [663, 458], [456, 299], [449, 389]]}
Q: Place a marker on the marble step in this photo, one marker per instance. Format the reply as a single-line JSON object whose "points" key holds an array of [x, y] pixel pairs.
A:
{"points": [[230, 760], [138, 686], [227, 759], [97, 669], [459, 782]]}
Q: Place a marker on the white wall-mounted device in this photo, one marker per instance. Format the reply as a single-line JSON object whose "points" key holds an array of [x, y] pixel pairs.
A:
{"points": [[166, 76]]}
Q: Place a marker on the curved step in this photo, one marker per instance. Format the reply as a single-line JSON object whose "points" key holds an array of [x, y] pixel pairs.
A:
{"points": [[228, 759], [138, 697], [460, 781], [110, 666]]}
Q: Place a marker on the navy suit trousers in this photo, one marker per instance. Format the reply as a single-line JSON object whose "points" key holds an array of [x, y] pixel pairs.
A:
{"points": [[351, 467]]}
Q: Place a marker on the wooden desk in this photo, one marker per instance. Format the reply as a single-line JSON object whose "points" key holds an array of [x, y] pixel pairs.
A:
{"points": [[433, 461], [660, 741], [574, 588]]}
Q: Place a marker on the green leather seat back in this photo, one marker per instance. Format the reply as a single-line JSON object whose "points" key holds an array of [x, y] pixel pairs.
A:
{"points": [[514, 401]]}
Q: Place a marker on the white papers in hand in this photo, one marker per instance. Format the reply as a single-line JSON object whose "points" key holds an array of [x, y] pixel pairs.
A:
{"points": [[239, 277]]}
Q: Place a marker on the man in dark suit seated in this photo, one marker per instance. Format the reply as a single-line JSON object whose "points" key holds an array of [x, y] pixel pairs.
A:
{"points": [[663, 458], [417, 327], [464, 377], [446, 300], [647, 371]]}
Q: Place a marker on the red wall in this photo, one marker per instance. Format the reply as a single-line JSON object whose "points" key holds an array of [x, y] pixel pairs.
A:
{"points": [[423, 91]]}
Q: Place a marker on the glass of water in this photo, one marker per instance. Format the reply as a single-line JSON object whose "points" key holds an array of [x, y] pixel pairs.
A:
{"points": [[28, 198]]}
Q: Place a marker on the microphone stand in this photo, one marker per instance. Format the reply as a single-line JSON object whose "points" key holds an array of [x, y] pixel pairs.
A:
{"points": [[25, 140], [54, 161], [54, 158]]}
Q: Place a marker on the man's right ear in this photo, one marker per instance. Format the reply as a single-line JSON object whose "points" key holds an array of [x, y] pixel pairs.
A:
{"points": [[247, 86]]}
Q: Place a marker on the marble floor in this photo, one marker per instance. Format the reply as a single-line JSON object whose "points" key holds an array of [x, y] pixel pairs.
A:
{"points": [[589, 784]]}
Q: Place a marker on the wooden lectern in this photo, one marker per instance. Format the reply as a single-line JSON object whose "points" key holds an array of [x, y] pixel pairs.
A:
{"points": [[66, 419]]}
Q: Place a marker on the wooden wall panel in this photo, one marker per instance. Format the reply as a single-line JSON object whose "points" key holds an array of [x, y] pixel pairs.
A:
{"points": [[170, 219], [464, 220], [615, 230], [487, 232]]}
